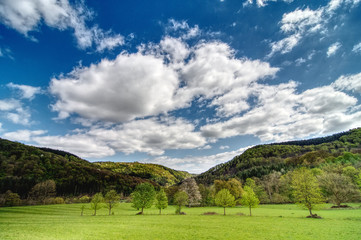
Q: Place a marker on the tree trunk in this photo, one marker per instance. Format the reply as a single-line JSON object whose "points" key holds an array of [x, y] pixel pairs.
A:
{"points": [[110, 209], [224, 211], [160, 211], [310, 211], [142, 209], [250, 210]]}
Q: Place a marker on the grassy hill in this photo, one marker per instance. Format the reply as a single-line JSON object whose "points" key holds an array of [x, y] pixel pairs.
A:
{"points": [[22, 166], [261, 160]]}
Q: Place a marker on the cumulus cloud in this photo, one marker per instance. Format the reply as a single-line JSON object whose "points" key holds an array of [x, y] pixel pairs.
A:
{"points": [[27, 15], [157, 80], [26, 92], [333, 49], [196, 165]]}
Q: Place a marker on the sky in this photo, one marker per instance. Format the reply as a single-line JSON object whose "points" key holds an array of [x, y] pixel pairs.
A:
{"points": [[187, 84]]}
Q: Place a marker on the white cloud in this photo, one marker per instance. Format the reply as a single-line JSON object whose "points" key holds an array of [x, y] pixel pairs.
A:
{"points": [[150, 82], [223, 147], [14, 111], [300, 23], [281, 114], [196, 164], [27, 92], [27, 15], [23, 135], [78, 144], [151, 136], [131, 86], [333, 49], [262, 3], [357, 48], [349, 83]]}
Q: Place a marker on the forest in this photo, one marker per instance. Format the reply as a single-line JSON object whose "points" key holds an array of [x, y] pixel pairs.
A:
{"points": [[30, 175]]}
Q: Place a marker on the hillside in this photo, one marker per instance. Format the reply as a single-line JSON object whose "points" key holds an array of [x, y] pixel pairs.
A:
{"points": [[261, 160], [22, 166]]}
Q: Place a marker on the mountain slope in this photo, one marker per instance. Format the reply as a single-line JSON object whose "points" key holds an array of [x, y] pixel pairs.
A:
{"points": [[22, 166], [263, 159]]}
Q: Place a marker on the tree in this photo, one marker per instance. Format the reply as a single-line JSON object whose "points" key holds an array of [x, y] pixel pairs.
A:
{"points": [[43, 190], [249, 199], [225, 199], [206, 194], [12, 199], [338, 188], [111, 200], [96, 202], [143, 196], [161, 200], [306, 190], [180, 199], [271, 184], [191, 188]]}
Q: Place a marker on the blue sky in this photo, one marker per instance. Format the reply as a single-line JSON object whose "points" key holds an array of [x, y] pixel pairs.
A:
{"points": [[187, 84]]}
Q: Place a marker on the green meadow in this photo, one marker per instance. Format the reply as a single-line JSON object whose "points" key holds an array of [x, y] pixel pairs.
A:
{"points": [[268, 222]]}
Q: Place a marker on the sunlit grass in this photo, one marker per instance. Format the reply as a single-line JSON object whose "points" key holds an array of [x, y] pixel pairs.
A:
{"points": [[267, 222]]}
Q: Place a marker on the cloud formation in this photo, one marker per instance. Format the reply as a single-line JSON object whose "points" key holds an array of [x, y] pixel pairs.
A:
{"points": [[333, 49], [26, 92], [26, 16]]}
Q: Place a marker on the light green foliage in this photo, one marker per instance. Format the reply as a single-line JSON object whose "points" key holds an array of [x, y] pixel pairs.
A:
{"points": [[161, 200], [63, 222], [351, 172], [338, 188], [306, 190], [249, 199], [96, 202], [233, 185], [180, 199], [206, 194], [143, 196], [225, 199], [111, 200]]}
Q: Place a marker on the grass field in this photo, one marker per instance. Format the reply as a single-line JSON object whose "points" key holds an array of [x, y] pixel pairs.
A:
{"points": [[269, 222]]}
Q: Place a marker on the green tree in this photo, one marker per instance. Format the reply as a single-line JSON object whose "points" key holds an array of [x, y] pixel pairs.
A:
{"points": [[249, 199], [161, 200], [143, 196], [338, 188], [111, 200], [180, 199], [12, 199], [225, 199], [96, 202], [306, 190], [206, 194]]}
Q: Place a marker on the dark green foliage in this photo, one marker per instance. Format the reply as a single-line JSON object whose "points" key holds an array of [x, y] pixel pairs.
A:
{"points": [[11, 199], [262, 160], [143, 196], [22, 167]]}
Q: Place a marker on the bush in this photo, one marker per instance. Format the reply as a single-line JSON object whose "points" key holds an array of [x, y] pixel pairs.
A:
{"points": [[58, 200], [84, 199]]}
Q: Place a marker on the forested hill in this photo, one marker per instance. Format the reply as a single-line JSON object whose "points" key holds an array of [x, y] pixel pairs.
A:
{"points": [[262, 160], [22, 166]]}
